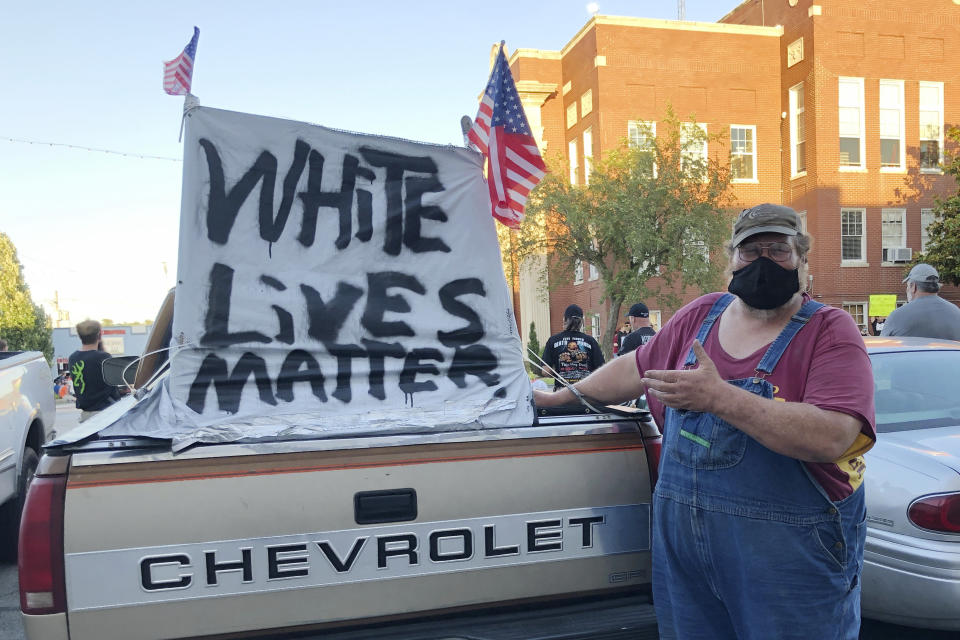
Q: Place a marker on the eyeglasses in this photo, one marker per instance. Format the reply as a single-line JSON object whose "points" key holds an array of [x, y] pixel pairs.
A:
{"points": [[777, 251]]}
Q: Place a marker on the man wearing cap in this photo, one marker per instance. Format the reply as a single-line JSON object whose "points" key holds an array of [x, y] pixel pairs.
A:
{"points": [[639, 317], [572, 353], [765, 400], [926, 314]]}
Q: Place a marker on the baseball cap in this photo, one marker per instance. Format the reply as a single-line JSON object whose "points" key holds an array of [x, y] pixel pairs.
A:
{"points": [[765, 218], [639, 310], [573, 311], [923, 272]]}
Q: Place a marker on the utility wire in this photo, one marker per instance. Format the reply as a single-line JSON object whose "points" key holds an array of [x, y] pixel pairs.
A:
{"points": [[82, 148]]}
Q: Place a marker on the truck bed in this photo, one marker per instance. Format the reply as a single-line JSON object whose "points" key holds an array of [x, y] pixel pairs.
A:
{"points": [[321, 534]]}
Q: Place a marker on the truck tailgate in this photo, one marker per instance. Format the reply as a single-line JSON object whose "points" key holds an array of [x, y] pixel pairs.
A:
{"points": [[237, 538]]}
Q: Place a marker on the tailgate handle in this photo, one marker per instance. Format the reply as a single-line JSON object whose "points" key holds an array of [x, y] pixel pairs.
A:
{"points": [[391, 505]]}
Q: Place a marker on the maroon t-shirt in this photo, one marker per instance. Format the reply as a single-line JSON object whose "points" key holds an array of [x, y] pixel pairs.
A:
{"points": [[826, 365]]}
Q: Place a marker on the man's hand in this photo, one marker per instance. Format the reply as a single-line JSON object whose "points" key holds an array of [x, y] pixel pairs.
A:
{"points": [[693, 389]]}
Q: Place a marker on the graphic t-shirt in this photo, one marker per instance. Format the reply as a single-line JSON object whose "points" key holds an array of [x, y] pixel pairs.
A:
{"points": [[636, 339], [573, 355], [826, 365], [93, 394]]}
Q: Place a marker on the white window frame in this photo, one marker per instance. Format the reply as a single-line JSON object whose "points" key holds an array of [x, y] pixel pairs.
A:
{"points": [[797, 111], [862, 260], [753, 131], [865, 308], [574, 160], [900, 108], [939, 87], [903, 230], [578, 272], [571, 114], [927, 216], [703, 154], [595, 325], [858, 84], [633, 133], [803, 220], [586, 103], [587, 154]]}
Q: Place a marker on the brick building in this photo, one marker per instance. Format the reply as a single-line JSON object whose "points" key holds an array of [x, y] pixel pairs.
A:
{"points": [[838, 110]]}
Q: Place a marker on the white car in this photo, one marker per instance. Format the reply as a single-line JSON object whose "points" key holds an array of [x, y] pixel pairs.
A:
{"points": [[911, 572]]}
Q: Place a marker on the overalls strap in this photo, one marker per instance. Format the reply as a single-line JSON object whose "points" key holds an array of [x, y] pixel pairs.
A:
{"points": [[718, 307], [778, 346]]}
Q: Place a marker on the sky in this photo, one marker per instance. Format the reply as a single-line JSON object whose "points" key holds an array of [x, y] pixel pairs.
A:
{"points": [[98, 231]]}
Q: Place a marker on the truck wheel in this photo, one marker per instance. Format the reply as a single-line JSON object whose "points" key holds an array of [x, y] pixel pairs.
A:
{"points": [[10, 512]]}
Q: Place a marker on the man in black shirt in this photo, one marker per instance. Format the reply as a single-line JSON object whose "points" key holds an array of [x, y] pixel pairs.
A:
{"points": [[639, 317], [86, 367], [572, 353]]}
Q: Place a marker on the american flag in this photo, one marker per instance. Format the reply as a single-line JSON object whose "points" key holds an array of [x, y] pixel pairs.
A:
{"points": [[178, 73], [502, 133]]}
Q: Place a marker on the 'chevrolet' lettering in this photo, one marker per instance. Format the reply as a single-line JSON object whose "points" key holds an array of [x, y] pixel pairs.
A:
{"points": [[251, 562]]}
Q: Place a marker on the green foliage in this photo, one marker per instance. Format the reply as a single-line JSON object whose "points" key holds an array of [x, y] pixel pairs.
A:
{"points": [[943, 247], [649, 220], [23, 324], [533, 345]]}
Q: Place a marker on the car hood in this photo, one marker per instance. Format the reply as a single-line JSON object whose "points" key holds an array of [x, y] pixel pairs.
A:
{"points": [[918, 448]]}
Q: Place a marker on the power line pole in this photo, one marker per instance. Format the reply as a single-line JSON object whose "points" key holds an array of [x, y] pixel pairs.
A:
{"points": [[681, 10]]}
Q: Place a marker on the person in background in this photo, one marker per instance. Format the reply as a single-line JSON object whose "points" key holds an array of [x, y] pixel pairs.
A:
{"points": [[571, 353], [3, 344], [86, 370], [639, 318], [765, 401], [926, 314]]}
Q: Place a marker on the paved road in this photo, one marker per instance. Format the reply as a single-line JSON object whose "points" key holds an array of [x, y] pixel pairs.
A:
{"points": [[67, 418]]}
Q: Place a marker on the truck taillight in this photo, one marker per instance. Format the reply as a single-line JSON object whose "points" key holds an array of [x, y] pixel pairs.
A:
{"points": [[937, 513], [42, 584]]}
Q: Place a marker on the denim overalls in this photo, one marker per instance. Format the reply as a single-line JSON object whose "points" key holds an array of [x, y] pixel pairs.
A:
{"points": [[745, 543]]}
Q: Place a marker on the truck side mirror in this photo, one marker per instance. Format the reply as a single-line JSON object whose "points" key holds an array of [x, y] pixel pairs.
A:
{"points": [[120, 371]]}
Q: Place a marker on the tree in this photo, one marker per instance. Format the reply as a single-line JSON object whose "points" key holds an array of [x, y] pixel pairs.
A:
{"points": [[650, 218], [23, 324], [943, 245], [533, 345]]}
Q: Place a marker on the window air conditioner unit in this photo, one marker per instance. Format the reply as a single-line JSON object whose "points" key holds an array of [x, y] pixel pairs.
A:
{"points": [[898, 254]]}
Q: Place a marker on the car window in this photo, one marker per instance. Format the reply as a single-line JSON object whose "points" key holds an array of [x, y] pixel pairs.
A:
{"points": [[916, 389]]}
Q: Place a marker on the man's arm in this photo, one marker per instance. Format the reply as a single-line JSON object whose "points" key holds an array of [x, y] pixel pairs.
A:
{"points": [[616, 381], [795, 429]]}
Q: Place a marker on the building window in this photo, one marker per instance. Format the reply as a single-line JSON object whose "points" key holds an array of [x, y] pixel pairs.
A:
{"points": [[586, 103], [640, 134], [587, 154], [931, 125], [803, 221], [694, 154], [857, 310], [571, 114], [851, 123], [893, 234], [578, 273], [892, 150], [798, 131], [743, 154], [695, 247], [595, 325], [926, 219], [572, 152], [852, 237]]}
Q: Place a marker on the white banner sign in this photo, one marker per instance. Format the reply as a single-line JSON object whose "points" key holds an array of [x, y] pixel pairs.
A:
{"points": [[338, 274]]}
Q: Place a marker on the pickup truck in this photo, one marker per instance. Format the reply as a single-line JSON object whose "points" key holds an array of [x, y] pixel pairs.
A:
{"points": [[344, 443], [27, 414], [535, 532]]}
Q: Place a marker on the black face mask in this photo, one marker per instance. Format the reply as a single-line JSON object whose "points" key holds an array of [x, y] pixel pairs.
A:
{"points": [[764, 284]]}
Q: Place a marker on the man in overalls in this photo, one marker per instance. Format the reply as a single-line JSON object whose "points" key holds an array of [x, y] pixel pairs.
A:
{"points": [[765, 400]]}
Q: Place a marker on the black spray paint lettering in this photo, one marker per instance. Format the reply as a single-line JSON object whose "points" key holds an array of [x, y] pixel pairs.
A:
{"points": [[404, 214], [325, 321]]}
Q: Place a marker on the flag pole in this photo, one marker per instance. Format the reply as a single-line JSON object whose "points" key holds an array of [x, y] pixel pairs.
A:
{"points": [[190, 102]]}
